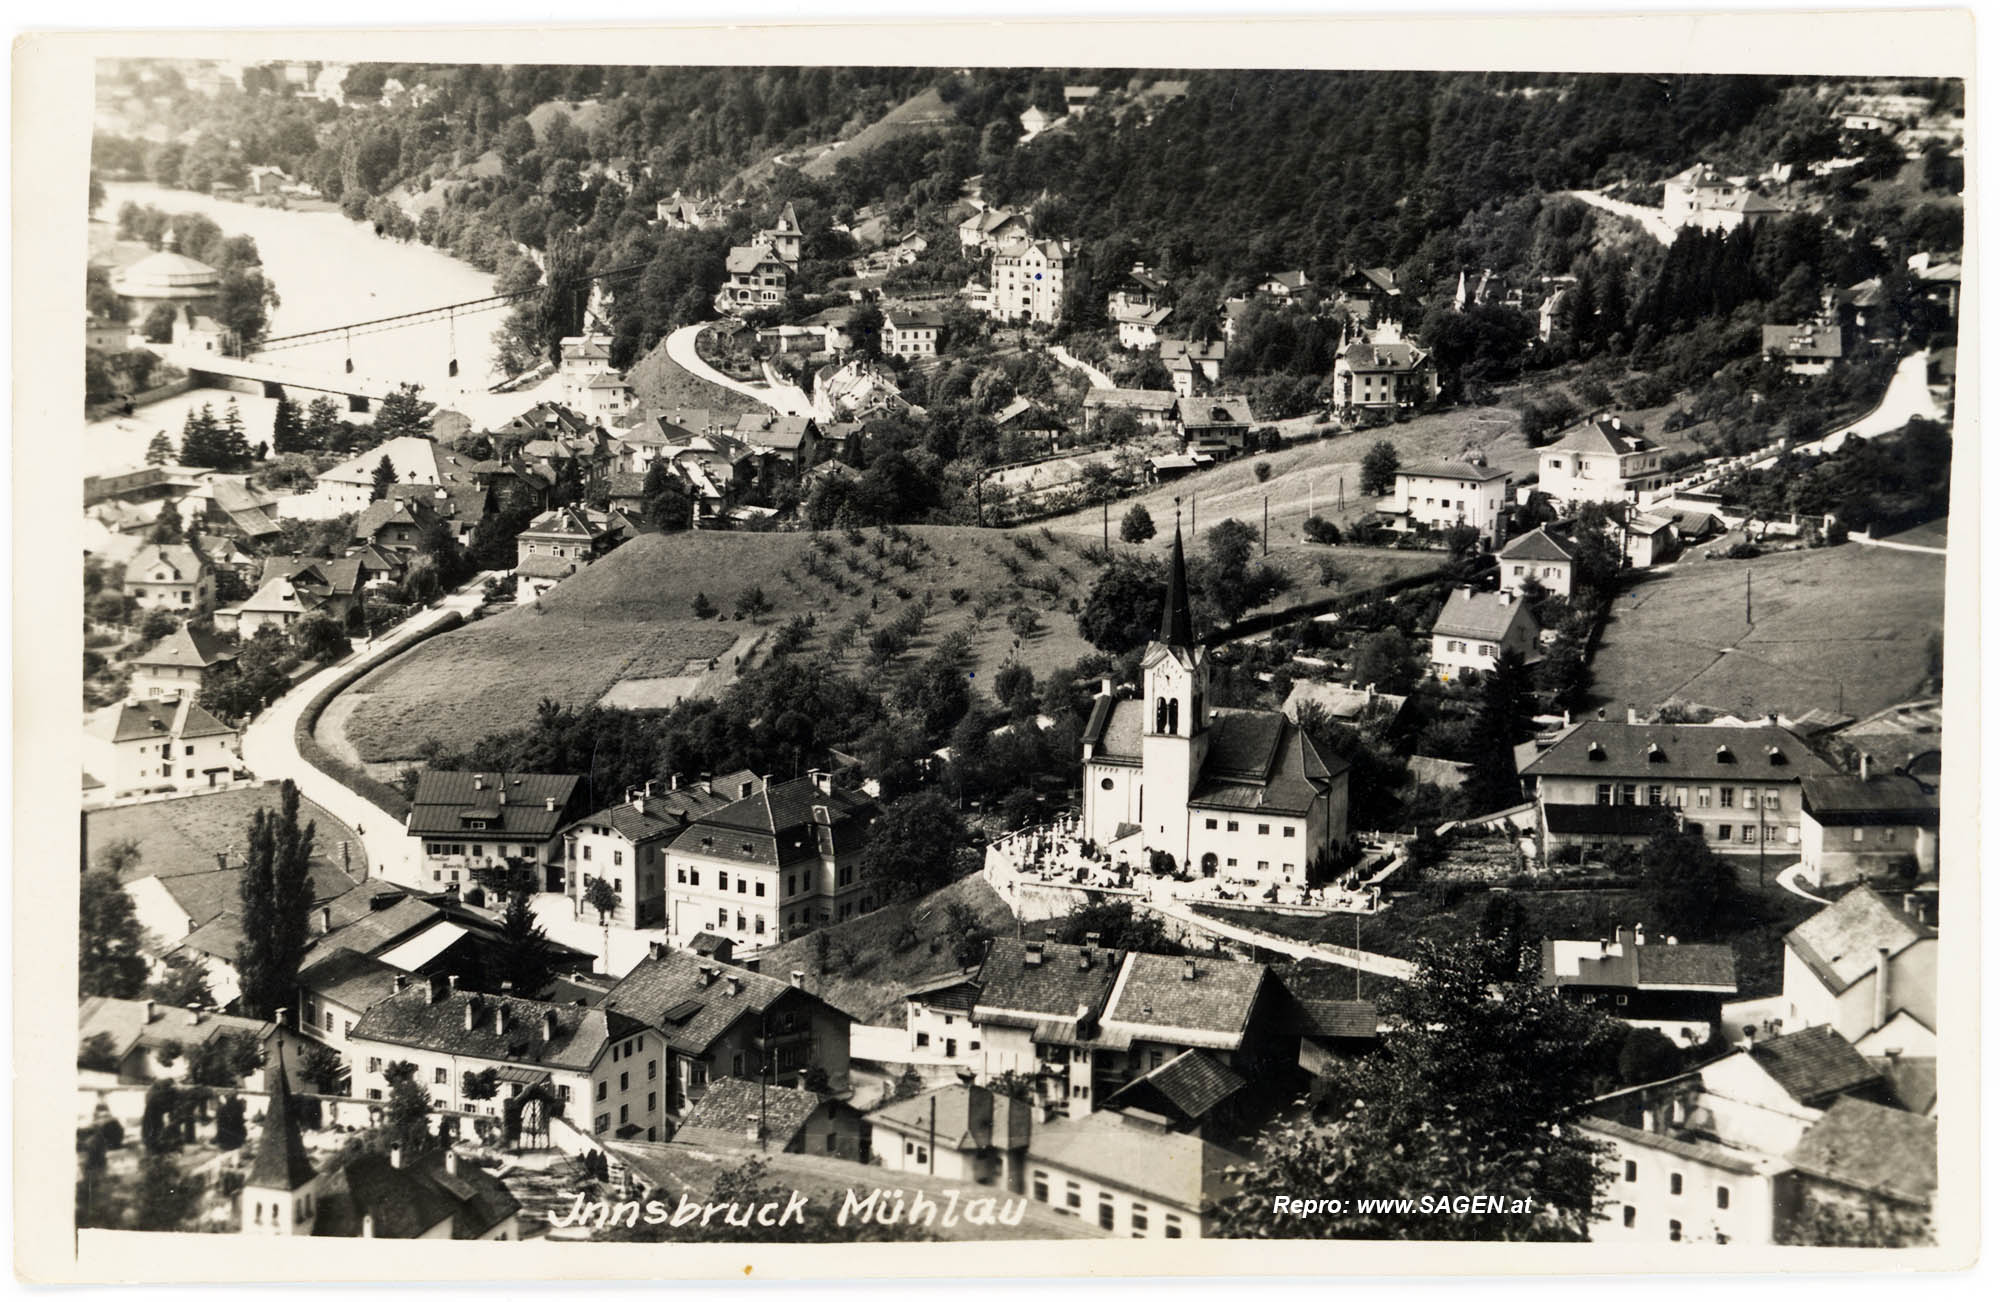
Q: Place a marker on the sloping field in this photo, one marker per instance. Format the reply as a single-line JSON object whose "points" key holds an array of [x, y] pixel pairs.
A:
{"points": [[630, 616], [183, 835], [1841, 628], [659, 381], [922, 112]]}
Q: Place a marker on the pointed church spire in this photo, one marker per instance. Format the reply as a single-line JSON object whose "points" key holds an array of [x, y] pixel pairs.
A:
{"points": [[1176, 624], [281, 1152]]}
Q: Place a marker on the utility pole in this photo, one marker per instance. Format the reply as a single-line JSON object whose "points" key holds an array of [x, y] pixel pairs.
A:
{"points": [[1746, 597], [1267, 524], [1107, 527]]}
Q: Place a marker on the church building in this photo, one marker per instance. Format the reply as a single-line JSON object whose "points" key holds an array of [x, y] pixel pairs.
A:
{"points": [[1239, 793]]}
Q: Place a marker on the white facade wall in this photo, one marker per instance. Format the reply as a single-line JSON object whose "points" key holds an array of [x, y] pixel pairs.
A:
{"points": [[1441, 503], [1114, 1210], [613, 1093], [1554, 576], [1720, 811], [1642, 1188], [1851, 1012]]}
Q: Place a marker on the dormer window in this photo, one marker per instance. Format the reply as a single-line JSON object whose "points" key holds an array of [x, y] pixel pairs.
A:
{"points": [[1723, 755], [1777, 756], [1654, 755], [1595, 753]]}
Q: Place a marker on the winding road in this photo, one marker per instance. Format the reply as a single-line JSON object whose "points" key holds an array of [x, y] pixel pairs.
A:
{"points": [[1098, 379], [786, 398], [1343, 955], [270, 743], [1650, 220]]}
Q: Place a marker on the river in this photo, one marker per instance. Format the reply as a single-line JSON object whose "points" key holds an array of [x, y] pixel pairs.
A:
{"points": [[328, 271]]}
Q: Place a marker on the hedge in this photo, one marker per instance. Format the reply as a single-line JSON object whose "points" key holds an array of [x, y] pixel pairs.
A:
{"points": [[352, 776]]}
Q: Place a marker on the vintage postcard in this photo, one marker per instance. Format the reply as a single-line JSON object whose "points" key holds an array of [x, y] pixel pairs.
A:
{"points": [[811, 651]]}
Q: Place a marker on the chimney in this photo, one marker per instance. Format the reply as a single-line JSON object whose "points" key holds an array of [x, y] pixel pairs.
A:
{"points": [[503, 797], [325, 921], [1031, 954], [1565, 718], [655, 950], [821, 780], [451, 1161], [1104, 686], [1188, 970], [436, 988], [979, 1116], [479, 782], [735, 984], [549, 804], [396, 1156], [221, 860], [549, 1024], [1649, 1121], [1600, 714], [674, 782], [707, 974], [1638, 933], [402, 982], [1631, 717], [368, 1225], [1083, 959], [471, 1013], [1749, 1039], [1881, 987], [798, 979], [151, 1011], [196, 1017], [1864, 766]]}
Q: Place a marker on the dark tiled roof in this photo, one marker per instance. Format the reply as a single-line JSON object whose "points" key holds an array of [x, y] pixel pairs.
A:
{"points": [[349, 978], [1193, 1083], [1814, 1065], [1541, 545], [1485, 615], [1154, 991], [146, 720], [1198, 413], [1317, 1000], [1059, 985], [1703, 1151], [734, 1109], [643, 818], [1914, 1080], [1656, 965], [777, 825], [1115, 728], [1599, 434], [340, 575], [1839, 942], [1608, 820], [281, 1161], [411, 1019], [1376, 359], [1848, 801], [1867, 1146], [445, 800], [1159, 400], [1685, 752], [409, 1200], [672, 983]]}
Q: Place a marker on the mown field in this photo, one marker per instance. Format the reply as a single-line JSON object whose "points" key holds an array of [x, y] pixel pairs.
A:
{"points": [[631, 616], [184, 835], [1841, 628]]}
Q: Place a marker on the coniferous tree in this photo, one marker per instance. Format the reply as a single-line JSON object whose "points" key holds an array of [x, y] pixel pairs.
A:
{"points": [[160, 451], [167, 524], [201, 439], [277, 896], [108, 957], [288, 430], [322, 424], [234, 446], [384, 479]]}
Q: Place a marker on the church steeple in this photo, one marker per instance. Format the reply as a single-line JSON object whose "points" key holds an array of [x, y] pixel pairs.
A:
{"points": [[281, 1152], [1176, 621]]}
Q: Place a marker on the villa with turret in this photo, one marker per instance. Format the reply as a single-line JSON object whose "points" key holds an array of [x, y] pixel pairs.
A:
{"points": [[1240, 793]]}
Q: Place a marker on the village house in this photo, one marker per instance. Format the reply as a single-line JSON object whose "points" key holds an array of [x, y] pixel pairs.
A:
{"points": [[1859, 965], [784, 237], [1033, 122], [1704, 198], [1128, 1173], [1874, 1165], [937, 1018], [1283, 285], [1028, 419], [372, 1195], [393, 526], [988, 228], [135, 1031], [105, 336], [1348, 703], [681, 213], [1647, 538], [607, 397], [856, 390], [1441, 495], [757, 278], [1369, 294], [336, 988], [460, 505], [581, 359], [778, 860], [170, 576], [1165, 1008], [1151, 409], [169, 744], [350, 486], [1727, 781], [292, 587], [1545, 559], [1600, 460], [1192, 364], [1475, 629], [1238, 792], [1675, 989], [1217, 425], [480, 820], [1320, 1005], [602, 1066], [773, 1116], [1382, 375], [626, 845], [1808, 349], [1078, 100], [721, 1021], [1857, 827], [558, 543], [178, 664], [1039, 1015], [1028, 280], [911, 332], [236, 511], [962, 1132]]}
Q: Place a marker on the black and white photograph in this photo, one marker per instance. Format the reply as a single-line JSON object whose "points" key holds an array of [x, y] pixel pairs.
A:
{"points": [[784, 650]]}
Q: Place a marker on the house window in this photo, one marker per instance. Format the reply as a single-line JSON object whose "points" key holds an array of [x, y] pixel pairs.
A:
{"points": [[652, 1068], [1209, 822], [374, 1064], [1291, 831], [1631, 1217], [1631, 1172], [1072, 1194], [1628, 793], [1232, 825], [602, 1086], [1771, 799], [1656, 795], [1041, 1186], [617, 858], [760, 890], [438, 1076], [603, 1122], [1107, 1212], [1604, 793], [1701, 800], [923, 1039], [1728, 795], [1263, 829], [624, 1081], [1138, 1218], [1722, 1197], [1173, 1226], [722, 881], [1674, 1231], [586, 849], [1722, 831], [1749, 797], [1680, 797], [1674, 1183], [1749, 832]]}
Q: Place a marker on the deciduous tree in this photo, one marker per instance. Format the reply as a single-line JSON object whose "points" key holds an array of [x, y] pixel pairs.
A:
{"points": [[276, 898]]}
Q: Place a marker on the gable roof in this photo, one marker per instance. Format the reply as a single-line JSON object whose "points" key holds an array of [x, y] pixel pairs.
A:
{"points": [[1388, 357], [1540, 545], [405, 1201], [1639, 966], [1602, 434], [410, 1018], [1869, 1147], [1124, 1150], [179, 718], [182, 563], [1058, 983], [1259, 760], [1453, 470], [1159, 400], [644, 818], [1814, 1065], [735, 1109], [781, 823], [191, 646], [1486, 615], [519, 806], [1157, 998], [746, 258], [1713, 752], [1893, 800], [1192, 1083], [349, 978], [1839, 943], [1233, 409], [1316, 999], [667, 990], [957, 1128]]}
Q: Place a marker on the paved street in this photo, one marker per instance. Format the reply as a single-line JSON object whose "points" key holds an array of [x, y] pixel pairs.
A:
{"points": [[788, 399], [1650, 220], [1098, 379]]}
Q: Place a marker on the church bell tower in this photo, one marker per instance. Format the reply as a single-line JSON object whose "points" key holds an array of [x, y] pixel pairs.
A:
{"points": [[1175, 671]]}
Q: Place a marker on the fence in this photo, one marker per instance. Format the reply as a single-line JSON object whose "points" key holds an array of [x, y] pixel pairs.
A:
{"points": [[1251, 625]]}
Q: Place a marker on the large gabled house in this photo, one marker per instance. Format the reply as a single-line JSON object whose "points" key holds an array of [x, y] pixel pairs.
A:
{"points": [[558, 543], [756, 280], [1441, 495], [1859, 964], [1382, 375], [1218, 426], [722, 1021], [1868, 824], [464, 821], [1600, 460], [1672, 988], [168, 744], [1545, 559], [172, 577], [1039, 1014], [292, 587], [1474, 629], [626, 845], [1193, 364], [1129, 1174], [178, 664]]}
